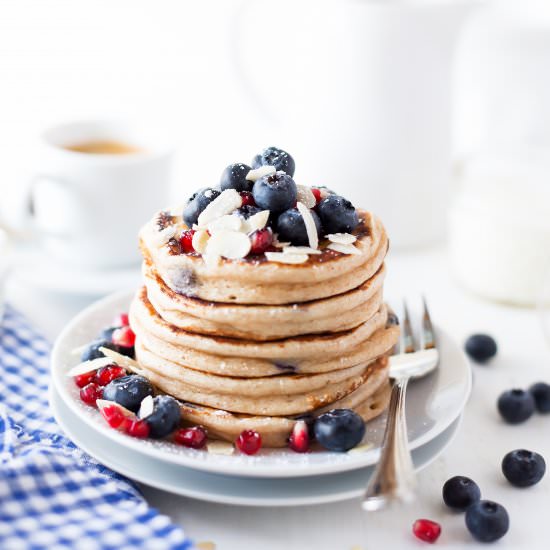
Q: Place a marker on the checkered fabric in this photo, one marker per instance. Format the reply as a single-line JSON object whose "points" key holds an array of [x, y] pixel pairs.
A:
{"points": [[52, 495]]}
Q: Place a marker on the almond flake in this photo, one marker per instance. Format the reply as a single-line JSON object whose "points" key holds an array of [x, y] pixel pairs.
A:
{"points": [[342, 238], [228, 244], [146, 407], [277, 244], [306, 196], [344, 248], [226, 223], [260, 172], [256, 222], [309, 222], [220, 448], [223, 204], [300, 250], [361, 448], [89, 366], [102, 403], [210, 259], [122, 360], [282, 258], [200, 240]]}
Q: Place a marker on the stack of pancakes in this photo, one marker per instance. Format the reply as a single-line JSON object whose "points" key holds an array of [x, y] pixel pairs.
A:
{"points": [[254, 344]]}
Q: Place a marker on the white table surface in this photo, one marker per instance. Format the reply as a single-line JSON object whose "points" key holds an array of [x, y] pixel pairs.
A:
{"points": [[477, 451]]}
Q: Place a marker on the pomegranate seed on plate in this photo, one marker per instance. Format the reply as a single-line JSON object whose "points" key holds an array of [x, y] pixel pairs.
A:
{"points": [[261, 240], [247, 198], [121, 320], [91, 393], [107, 374], [186, 241], [82, 380], [317, 194], [137, 428], [124, 336], [114, 416], [426, 530], [194, 437], [249, 442], [299, 438]]}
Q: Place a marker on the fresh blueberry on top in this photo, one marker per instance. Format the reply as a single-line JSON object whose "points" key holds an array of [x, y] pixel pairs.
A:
{"points": [[337, 215], [516, 406], [197, 203], [92, 350], [275, 192], [339, 429], [234, 177], [523, 468], [246, 211], [128, 391], [460, 491], [277, 158], [165, 417], [481, 347], [292, 228], [541, 393], [487, 521]]}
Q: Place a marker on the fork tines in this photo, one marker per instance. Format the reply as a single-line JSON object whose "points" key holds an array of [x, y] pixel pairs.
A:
{"points": [[427, 338]]}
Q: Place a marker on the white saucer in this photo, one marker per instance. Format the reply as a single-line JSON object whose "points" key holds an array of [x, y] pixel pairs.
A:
{"points": [[433, 403], [228, 489]]}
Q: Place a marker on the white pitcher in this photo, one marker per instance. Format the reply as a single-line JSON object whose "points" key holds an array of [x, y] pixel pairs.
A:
{"points": [[359, 91]]}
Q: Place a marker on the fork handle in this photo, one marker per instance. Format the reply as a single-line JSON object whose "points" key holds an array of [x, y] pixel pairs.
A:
{"points": [[394, 477]]}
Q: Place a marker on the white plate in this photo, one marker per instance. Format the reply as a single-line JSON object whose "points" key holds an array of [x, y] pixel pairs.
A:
{"points": [[229, 489], [433, 403]]}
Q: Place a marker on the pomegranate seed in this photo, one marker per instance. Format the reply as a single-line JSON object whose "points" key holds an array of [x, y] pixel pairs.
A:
{"points": [[317, 194], [91, 393], [82, 380], [249, 442], [121, 320], [107, 374], [137, 428], [261, 240], [299, 438], [124, 336], [194, 437], [247, 198], [186, 241], [426, 530], [114, 416]]}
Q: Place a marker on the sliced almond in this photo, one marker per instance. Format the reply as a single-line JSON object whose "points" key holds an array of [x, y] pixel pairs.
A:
{"points": [[282, 258], [200, 240], [306, 196], [311, 228], [89, 366], [277, 244], [146, 407], [256, 222], [300, 250], [344, 248], [342, 238], [223, 204], [228, 244], [226, 223], [122, 360], [260, 172], [220, 447], [361, 448]]}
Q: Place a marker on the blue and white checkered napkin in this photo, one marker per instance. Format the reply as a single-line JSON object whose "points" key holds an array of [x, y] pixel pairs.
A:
{"points": [[52, 495]]}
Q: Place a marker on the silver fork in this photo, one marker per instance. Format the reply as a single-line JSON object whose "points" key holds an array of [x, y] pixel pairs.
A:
{"points": [[394, 477]]}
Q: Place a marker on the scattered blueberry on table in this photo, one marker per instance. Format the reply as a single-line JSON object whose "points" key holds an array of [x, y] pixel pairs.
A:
{"points": [[487, 521], [481, 347], [523, 468], [516, 406], [459, 492], [541, 393]]}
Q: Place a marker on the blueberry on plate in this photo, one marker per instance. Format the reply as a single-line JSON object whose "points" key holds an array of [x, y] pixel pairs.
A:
{"points": [[523, 468], [480, 347], [292, 228], [277, 158], [339, 429], [541, 393], [92, 350], [197, 203], [246, 211], [516, 406], [234, 177], [337, 215], [275, 192], [165, 417], [487, 521], [459, 492], [128, 391]]}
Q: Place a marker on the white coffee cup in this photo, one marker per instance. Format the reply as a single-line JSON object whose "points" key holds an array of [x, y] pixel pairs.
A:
{"points": [[87, 207]]}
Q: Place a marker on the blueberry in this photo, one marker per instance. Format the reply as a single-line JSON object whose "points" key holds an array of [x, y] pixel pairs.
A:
{"points": [[165, 417], [276, 192], [487, 521], [481, 347], [234, 177], [128, 391], [339, 429], [337, 215], [278, 158], [459, 492], [516, 406], [107, 333], [523, 468], [246, 211], [197, 203], [92, 350], [541, 393], [291, 227]]}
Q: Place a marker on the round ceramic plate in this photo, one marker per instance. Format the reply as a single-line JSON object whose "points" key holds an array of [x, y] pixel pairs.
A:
{"points": [[433, 403], [229, 489]]}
